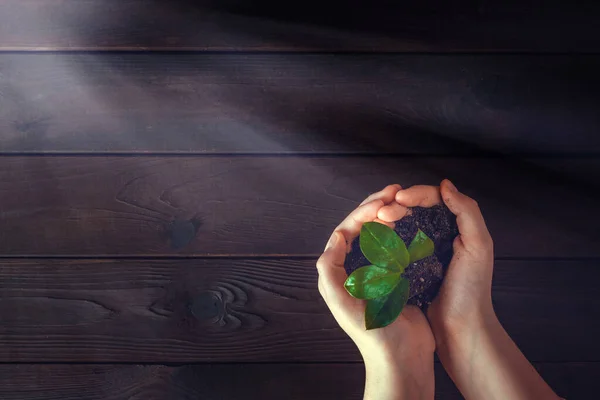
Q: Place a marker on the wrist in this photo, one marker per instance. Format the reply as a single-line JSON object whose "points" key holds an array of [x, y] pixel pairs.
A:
{"points": [[382, 380], [465, 341], [485, 363], [460, 331], [400, 377]]}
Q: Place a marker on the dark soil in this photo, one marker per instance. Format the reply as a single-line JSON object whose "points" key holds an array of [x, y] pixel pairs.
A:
{"points": [[425, 276]]}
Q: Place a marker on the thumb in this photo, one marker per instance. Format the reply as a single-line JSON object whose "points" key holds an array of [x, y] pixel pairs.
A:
{"points": [[332, 274], [471, 225]]}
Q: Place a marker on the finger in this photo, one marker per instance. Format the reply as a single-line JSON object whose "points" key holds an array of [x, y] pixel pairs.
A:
{"points": [[419, 196], [392, 212], [334, 253], [332, 274], [471, 225], [388, 224], [350, 227], [386, 195]]}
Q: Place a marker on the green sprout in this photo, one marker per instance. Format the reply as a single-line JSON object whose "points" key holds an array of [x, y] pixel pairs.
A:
{"points": [[382, 284]]}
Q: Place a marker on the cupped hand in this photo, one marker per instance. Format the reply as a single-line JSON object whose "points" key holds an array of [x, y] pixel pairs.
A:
{"points": [[474, 348], [464, 302], [406, 346]]}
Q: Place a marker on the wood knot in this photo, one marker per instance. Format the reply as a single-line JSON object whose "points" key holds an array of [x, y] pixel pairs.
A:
{"points": [[182, 232], [207, 306]]}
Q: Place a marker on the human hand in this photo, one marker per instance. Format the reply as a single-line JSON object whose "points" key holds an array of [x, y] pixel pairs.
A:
{"points": [[474, 348], [399, 357], [464, 303]]}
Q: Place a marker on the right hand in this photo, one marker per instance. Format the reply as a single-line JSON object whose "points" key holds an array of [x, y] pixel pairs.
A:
{"points": [[474, 348], [464, 302]]}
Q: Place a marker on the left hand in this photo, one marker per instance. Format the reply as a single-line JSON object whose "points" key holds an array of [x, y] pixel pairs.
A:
{"points": [[402, 350]]}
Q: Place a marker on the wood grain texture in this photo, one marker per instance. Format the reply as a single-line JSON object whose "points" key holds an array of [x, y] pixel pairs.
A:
{"points": [[238, 382], [302, 26], [269, 205], [269, 310], [290, 103]]}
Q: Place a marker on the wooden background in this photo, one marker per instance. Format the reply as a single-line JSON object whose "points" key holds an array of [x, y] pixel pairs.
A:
{"points": [[170, 171]]}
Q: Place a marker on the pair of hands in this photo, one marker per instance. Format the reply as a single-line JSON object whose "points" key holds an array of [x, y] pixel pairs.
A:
{"points": [[404, 349]]}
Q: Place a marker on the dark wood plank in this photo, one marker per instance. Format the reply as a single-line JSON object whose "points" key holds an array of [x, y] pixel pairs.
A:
{"points": [[219, 310], [243, 381], [286, 103], [309, 25], [232, 382], [268, 205]]}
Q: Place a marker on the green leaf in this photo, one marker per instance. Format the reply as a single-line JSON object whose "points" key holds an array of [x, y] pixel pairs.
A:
{"points": [[383, 247], [384, 310], [420, 247], [371, 282]]}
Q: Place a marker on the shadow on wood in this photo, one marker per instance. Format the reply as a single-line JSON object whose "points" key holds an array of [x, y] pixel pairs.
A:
{"points": [[358, 25], [237, 382]]}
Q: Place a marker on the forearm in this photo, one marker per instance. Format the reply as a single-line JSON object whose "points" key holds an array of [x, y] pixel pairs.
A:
{"points": [[487, 364], [396, 380]]}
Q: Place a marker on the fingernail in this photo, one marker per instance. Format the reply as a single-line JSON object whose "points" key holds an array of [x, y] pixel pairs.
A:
{"points": [[332, 241], [451, 186]]}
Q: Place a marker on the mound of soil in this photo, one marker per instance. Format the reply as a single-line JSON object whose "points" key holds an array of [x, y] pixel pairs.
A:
{"points": [[426, 275]]}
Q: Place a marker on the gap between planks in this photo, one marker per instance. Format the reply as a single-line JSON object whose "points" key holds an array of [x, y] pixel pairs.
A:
{"points": [[473, 153], [232, 257]]}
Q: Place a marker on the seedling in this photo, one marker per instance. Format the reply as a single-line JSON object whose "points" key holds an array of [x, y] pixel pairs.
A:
{"points": [[382, 284]]}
